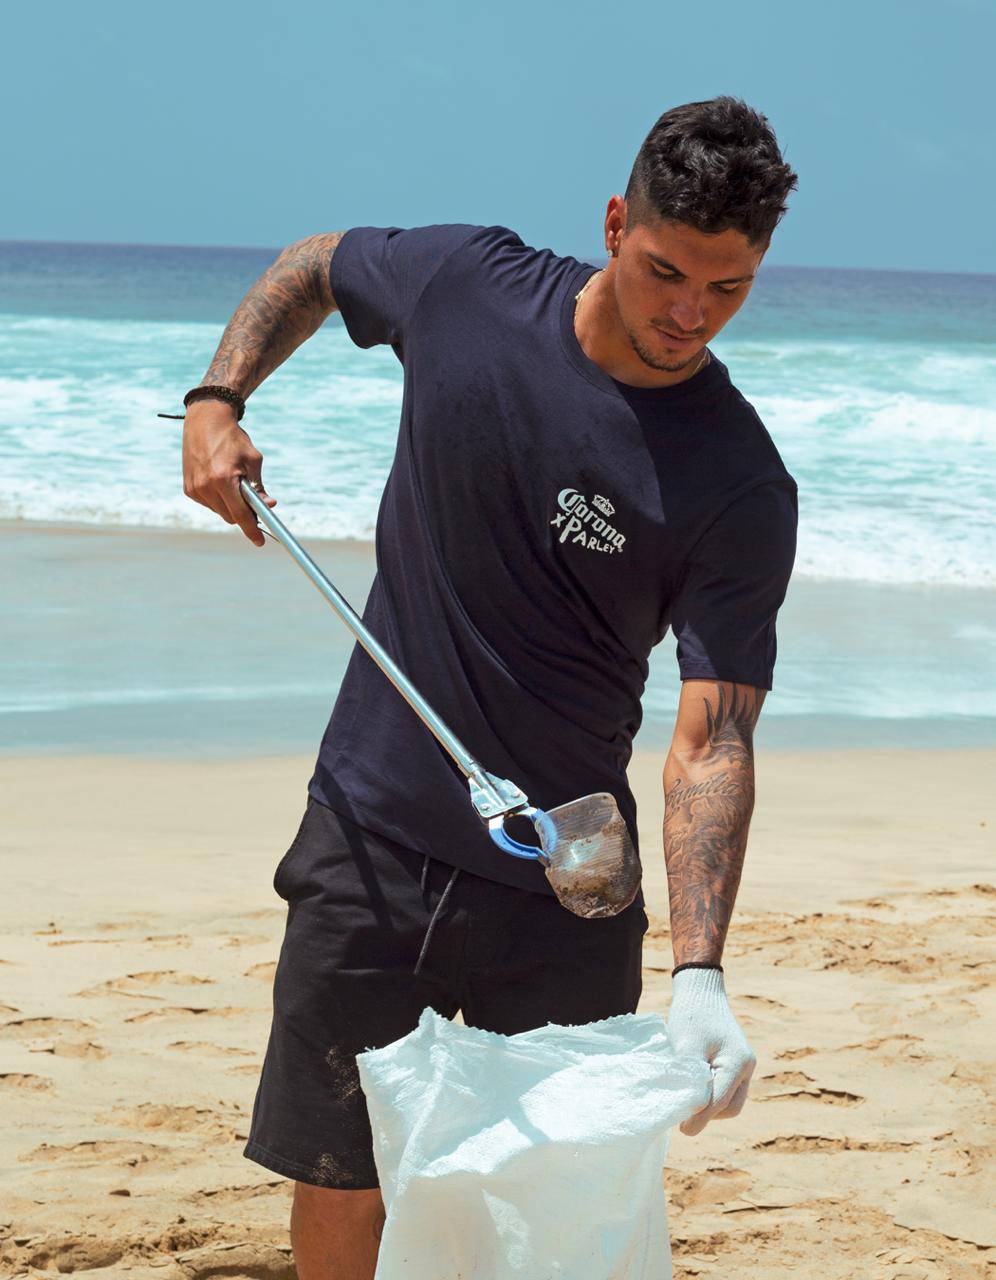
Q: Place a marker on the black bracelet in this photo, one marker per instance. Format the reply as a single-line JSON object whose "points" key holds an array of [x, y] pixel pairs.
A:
{"points": [[696, 964], [216, 393]]}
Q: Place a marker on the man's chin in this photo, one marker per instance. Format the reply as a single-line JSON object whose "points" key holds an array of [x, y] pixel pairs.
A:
{"points": [[673, 362]]}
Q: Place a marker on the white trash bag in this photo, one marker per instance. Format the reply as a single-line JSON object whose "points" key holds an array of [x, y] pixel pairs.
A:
{"points": [[538, 1155]]}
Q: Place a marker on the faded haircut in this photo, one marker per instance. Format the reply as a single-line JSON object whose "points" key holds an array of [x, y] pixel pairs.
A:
{"points": [[714, 165]]}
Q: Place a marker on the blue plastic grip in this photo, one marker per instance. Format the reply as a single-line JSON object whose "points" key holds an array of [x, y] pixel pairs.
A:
{"points": [[515, 847]]}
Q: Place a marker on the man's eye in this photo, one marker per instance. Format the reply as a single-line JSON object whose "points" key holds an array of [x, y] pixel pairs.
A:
{"points": [[720, 288]]}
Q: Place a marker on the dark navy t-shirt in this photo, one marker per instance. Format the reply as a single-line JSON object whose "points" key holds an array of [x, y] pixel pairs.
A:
{"points": [[542, 527]]}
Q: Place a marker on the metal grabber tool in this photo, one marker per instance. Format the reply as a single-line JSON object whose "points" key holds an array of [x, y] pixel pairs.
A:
{"points": [[584, 846]]}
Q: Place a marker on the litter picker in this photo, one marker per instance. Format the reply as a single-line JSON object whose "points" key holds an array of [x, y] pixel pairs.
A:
{"points": [[585, 847]]}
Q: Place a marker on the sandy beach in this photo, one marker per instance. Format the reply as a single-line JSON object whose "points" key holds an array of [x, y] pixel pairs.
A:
{"points": [[139, 937]]}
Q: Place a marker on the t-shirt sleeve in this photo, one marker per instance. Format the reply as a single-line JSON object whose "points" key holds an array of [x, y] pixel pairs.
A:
{"points": [[377, 276], [723, 615]]}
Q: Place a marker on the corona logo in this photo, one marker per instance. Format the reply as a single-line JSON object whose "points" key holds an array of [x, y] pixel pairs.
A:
{"points": [[586, 525]]}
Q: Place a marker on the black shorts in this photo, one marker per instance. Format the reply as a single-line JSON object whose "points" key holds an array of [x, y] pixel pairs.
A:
{"points": [[359, 908]]}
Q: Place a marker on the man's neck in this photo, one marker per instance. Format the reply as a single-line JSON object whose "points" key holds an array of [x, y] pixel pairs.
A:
{"points": [[602, 337]]}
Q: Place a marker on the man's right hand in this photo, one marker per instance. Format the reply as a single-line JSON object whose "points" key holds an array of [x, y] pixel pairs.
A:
{"points": [[217, 454]]}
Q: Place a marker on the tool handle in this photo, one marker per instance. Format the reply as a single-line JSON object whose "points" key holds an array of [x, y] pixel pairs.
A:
{"points": [[440, 730]]}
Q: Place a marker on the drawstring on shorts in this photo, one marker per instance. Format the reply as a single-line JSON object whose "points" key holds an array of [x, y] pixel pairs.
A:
{"points": [[444, 898]]}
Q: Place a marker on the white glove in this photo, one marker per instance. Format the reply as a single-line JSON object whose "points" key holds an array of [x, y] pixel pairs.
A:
{"points": [[701, 1025]]}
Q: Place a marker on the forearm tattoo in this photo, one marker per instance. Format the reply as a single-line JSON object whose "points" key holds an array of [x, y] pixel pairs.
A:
{"points": [[285, 306], [706, 817]]}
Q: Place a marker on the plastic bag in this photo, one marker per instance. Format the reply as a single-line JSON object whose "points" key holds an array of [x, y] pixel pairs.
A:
{"points": [[537, 1155]]}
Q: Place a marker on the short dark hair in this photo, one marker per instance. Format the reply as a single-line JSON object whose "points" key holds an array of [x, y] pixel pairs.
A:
{"points": [[713, 165]]}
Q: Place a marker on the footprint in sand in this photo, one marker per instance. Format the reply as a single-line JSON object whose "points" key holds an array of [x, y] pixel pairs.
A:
{"points": [[948, 1011], [101, 1151], [172, 976], [900, 950], [788, 1077], [789, 1055], [715, 1186], [169, 1119], [183, 1011], [152, 940], [979, 1076], [261, 1261], [264, 971], [134, 984], [901, 1043], [971, 891], [282, 1188], [106, 989], [802, 1142], [796, 1084], [16, 1080], [71, 1049], [66, 1252], [760, 1002], [34, 1027], [206, 1047]]}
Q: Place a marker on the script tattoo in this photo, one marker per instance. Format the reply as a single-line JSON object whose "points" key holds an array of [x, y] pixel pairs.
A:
{"points": [[285, 306], [706, 818]]}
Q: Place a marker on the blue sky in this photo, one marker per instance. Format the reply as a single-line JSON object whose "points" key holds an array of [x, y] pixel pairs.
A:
{"points": [[252, 124]]}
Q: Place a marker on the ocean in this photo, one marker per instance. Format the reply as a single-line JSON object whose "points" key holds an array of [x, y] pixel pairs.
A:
{"points": [[879, 389]]}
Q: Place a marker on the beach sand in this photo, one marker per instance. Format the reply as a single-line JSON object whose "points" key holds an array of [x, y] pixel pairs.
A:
{"points": [[138, 938]]}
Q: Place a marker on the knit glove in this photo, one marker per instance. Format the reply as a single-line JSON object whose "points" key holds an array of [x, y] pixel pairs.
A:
{"points": [[701, 1024]]}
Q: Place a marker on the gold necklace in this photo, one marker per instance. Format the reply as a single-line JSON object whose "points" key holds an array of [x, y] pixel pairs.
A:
{"points": [[704, 358], [584, 288]]}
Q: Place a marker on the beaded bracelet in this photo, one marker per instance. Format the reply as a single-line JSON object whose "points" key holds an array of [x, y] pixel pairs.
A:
{"points": [[696, 964], [216, 393], [209, 393]]}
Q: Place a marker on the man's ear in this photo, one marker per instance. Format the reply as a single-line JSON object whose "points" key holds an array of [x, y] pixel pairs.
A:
{"points": [[615, 223]]}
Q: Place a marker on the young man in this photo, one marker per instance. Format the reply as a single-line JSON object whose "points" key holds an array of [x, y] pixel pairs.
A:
{"points": [[574, 474]]}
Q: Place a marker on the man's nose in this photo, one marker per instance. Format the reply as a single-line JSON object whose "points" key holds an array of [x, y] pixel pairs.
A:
{"points": [[688, 310]]}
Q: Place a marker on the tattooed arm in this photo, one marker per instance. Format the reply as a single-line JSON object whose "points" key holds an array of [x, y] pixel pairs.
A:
{"points": [[709, 797], [286, 305]]}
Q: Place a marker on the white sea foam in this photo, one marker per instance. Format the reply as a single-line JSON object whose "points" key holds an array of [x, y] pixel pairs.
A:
{"points": [[893, 444], [20, 702]]}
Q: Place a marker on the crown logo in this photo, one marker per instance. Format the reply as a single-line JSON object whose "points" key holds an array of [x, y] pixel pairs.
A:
{"points": [[603, 504]]}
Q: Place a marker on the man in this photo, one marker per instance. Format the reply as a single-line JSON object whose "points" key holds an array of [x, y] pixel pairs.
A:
{"points": [[575, 472]]}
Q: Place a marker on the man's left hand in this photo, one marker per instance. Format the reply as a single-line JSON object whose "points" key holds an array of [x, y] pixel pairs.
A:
{"points": [[701, 1025]]}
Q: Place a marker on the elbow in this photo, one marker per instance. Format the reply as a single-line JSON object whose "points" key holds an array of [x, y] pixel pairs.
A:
{"points": [[699, 770], [691, 760]]}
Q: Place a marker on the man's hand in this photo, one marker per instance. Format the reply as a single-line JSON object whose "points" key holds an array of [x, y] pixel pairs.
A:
{"points": [[701, 1025], [217, 453]]}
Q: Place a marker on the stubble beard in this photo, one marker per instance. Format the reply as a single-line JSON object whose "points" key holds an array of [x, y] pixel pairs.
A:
{"points": [[666, 364]]}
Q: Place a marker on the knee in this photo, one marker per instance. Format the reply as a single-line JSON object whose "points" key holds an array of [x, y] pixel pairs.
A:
{"points": [[330, 1212]]}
